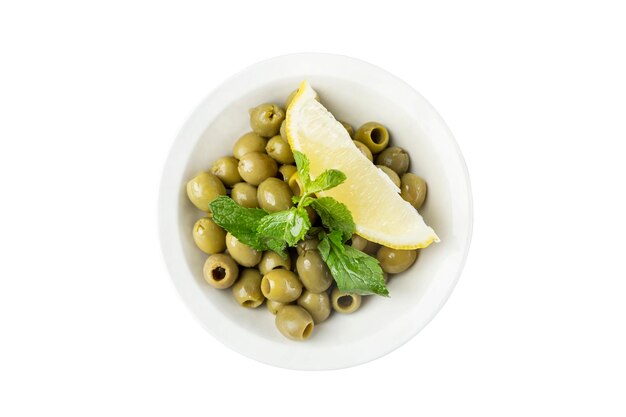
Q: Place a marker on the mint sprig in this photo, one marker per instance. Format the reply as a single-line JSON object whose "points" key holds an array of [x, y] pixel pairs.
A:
{"points": [[353, 270], [284, 228], [335, 216], [241, 222]]}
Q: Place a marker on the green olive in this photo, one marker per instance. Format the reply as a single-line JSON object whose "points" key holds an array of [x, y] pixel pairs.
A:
{"points": [[295, 184], [374, 135], [279, 149], [249, 142], [313, 271], [318, 305], [255, 167], [364, 150], [274, 195], [266, 118], [394, 261], [281, 285], [220, 271], [370, 247], [307, 245], [312, 214], [242, 253], [283, 130], [348, 127], [286, 171], [244, 194], [274, 306], [294, 322], [209, 237], [344, 302], [247, 289], [226, 170], [204, 188], [272, 260], [394, 158], [413, 189], [391, 174], [358, 242]]}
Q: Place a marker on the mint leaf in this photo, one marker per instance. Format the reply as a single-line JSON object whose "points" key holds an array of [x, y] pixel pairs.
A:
{"points": [[277, 245], [326, 180], [302, 163], [288, 226], [240, 221], [353, 271], [335, 216]]}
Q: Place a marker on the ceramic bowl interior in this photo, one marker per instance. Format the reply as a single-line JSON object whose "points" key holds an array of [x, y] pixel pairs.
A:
{"points": [[356, 92]]}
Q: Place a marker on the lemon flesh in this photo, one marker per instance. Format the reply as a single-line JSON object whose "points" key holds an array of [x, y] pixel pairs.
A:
{"points": [[380, 214]]}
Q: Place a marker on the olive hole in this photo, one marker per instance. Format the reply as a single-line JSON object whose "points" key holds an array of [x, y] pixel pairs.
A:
{"points": [[218, 273], [248, 303], [344, 301], [307, 331], [377, 135], [295, 187]]}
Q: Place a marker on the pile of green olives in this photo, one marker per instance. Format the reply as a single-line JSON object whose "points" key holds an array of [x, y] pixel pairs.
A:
{"points": [[298, 290]]}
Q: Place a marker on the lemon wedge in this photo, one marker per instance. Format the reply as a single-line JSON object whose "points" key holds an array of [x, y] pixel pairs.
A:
{"points": [[380, 214]]}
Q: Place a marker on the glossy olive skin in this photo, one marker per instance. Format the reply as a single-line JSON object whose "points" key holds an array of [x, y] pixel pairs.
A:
{"points": [[265, 119], [348, 128], [295, 184], [344, 302], [312, 214], [364, 150], [271, 260], [286, 171], [209, 237], [247, 289], [249, 142], [204, 188], [391, 174], [394, 261], [313, 271], [226, 170], [256, 167], [394, 158], [244, 194], [279, 149], [374, 135], [358, 242], [413, 189], [242, 253], [294, 322], [281, 285], [274, 306], [306, 245], [283, 130], [364, 245], [318, 305], [274, 195], [220, 271]]}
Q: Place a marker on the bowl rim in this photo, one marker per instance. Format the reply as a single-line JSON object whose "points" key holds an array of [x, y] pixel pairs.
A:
{"points": [[165, 205]]}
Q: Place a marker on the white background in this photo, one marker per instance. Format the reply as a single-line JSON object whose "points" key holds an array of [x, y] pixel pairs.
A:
{"points": [[92, 95]]}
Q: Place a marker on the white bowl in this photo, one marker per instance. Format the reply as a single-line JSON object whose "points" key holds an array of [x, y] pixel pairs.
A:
{"points": [[356, 92]]}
